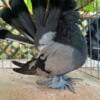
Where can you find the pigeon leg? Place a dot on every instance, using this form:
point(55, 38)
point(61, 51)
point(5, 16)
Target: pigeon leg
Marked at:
point(59, 82)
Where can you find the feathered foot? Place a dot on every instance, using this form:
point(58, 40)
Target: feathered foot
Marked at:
point(59, 82)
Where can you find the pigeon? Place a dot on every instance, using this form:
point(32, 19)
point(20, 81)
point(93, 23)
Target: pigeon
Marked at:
point(65, 52)
point(54, 30)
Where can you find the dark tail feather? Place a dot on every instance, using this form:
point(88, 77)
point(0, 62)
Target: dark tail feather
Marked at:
point(5, 34)
point(39, 3)
point(11, 19)
point(38, 17)
point(19, 8)
point(52, 19)
point(7, 15)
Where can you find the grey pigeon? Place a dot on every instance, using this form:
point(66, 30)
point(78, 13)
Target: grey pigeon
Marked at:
point(55, 32)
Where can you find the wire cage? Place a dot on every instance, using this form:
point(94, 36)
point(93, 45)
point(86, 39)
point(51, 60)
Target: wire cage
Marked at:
point(92, 65)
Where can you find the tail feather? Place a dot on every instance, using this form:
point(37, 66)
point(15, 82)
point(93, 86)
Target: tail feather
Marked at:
point(39, 3)
point(7, 15)
point(19, 17)
point(38, 16)
point(5, 34)
point(45, 22)
point(19, 8)
point(52, 19)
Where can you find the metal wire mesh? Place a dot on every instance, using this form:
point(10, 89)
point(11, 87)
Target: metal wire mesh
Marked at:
point(92, 66)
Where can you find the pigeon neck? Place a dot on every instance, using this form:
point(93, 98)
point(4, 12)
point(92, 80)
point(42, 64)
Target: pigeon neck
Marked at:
point(46, 40)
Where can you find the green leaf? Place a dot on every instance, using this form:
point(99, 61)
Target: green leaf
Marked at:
point(29, 5)
point(90, 7)
point(93, 6)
